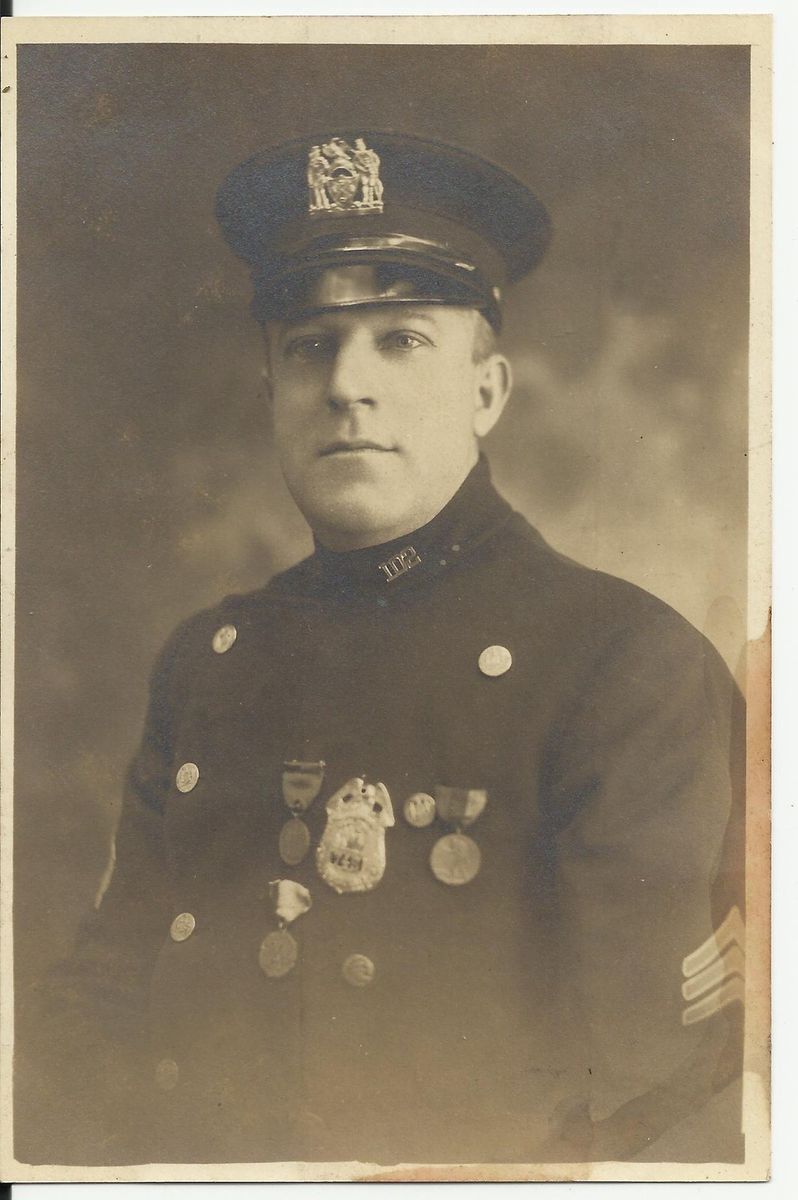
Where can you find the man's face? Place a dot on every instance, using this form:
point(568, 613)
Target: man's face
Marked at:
point(376, 415)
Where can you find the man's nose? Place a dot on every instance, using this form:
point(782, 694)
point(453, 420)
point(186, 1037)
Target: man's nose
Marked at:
point(352, 377)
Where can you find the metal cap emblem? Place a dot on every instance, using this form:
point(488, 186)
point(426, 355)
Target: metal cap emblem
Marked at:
point(344, 178)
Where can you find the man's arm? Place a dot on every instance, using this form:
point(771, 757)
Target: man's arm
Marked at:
point(78, 1057)
point(646, 780)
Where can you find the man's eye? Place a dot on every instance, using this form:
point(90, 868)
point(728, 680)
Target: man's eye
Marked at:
point(308, 348)
point(404, 339)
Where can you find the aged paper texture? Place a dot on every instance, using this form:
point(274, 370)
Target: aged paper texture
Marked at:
point(141, 484)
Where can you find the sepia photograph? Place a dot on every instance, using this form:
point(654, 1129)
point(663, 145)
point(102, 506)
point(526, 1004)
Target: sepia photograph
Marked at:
point(386, 778)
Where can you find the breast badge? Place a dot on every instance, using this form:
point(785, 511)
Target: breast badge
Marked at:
point(351, 854)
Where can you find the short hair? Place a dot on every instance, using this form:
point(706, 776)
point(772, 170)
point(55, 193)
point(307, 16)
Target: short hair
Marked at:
point(485, 339)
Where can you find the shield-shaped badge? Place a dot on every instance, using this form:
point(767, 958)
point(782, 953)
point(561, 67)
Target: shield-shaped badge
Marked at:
point(301, 784)
point(351, 854)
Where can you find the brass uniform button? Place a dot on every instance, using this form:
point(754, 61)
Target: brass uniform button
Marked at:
point(187, 777)
point(358, 970)
point(224, 638)
point(167, 1075)
point(182, 927)
point(495, 660)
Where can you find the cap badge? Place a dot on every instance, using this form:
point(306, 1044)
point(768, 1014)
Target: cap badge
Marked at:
point(344, 178)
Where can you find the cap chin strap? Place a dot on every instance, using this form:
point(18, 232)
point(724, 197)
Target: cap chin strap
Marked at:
point(385, 301)
point(334, 281)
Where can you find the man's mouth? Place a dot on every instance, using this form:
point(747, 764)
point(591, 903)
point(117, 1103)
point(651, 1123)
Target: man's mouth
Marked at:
point(356, 446)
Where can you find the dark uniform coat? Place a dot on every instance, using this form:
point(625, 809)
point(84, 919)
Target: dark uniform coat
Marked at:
point(574, 1000)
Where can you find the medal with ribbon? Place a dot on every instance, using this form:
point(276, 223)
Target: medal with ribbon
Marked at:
point(279, 951)
point(301, 785)
point(456, 858)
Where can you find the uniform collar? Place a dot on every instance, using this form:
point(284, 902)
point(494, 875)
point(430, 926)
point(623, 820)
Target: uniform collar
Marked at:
point(472, 514)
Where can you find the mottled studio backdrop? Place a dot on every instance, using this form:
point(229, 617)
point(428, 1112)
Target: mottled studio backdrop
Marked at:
point(147, 482)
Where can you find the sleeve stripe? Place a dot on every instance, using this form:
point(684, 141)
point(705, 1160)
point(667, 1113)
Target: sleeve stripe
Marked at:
point(730, 963)
point(731, 931)
point(728, 993)
point(107, 875)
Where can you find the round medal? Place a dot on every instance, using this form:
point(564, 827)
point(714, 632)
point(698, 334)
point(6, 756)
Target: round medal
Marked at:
point(455, 859)
point(278, 953)
point(294, 841)
point(419, 810)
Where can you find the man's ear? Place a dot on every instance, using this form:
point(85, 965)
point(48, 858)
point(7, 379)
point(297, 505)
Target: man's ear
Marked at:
point(266, 369)
point(268, 389)
point(493, 386)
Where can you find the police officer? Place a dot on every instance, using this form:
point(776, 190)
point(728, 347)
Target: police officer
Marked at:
point(432, 848)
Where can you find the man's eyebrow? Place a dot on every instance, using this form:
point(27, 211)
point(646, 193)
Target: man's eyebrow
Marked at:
point(326, 324)
point(307, 325)
point(406, 312)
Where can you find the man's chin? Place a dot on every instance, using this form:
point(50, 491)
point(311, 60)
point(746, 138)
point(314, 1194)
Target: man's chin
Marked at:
point(355, 517)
